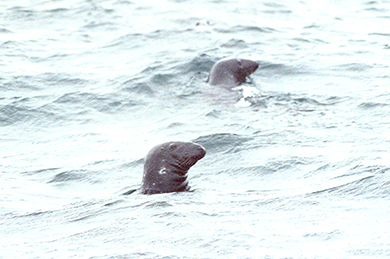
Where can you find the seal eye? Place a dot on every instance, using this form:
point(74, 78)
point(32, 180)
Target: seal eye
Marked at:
point(172, 147)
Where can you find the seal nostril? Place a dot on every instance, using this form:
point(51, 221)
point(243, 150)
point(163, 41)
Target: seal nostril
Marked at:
point(201, 151)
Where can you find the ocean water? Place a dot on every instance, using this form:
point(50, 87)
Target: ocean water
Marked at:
point(297, 168)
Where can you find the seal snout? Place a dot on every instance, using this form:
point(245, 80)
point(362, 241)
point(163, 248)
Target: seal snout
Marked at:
point(194, 153)
point(201, 151)
point(255, 66)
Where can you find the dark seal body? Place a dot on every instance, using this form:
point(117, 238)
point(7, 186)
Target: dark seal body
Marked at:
point(166, 167)
point(231, 72)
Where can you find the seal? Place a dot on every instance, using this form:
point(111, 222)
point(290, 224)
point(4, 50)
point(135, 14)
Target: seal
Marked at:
point(231, 72)
point(166, 167)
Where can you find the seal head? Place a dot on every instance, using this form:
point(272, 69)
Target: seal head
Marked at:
point(231, 72)
point(166, 167)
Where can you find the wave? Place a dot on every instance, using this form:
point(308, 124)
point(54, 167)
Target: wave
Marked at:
point(292, 101)
point(222, 142)
point(11, 114)
point(372, 105)
point(372, 182)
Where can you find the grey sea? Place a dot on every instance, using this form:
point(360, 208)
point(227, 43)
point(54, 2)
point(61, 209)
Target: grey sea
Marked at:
point(297, 167)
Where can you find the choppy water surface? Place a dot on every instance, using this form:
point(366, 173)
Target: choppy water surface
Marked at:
point(301, 170)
